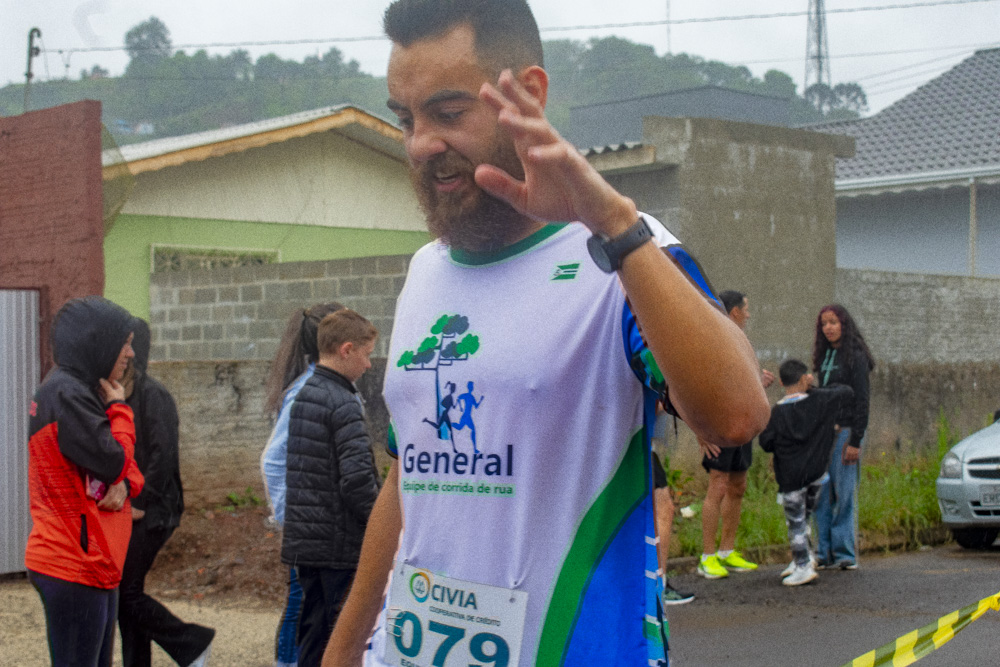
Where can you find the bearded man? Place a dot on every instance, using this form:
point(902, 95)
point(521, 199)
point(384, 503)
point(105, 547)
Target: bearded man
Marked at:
point(536, 544)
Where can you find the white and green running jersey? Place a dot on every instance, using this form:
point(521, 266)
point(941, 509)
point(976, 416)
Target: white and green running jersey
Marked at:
point(515, 384)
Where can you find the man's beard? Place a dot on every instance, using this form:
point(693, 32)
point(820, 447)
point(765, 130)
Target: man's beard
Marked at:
point(469, 218)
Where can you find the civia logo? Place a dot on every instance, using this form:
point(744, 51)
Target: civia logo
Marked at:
point(420, 586)
point(448, 344)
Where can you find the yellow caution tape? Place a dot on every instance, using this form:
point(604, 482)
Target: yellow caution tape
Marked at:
point(915, 645)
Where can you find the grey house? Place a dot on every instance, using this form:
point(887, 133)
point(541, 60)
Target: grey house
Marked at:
point(922, 193)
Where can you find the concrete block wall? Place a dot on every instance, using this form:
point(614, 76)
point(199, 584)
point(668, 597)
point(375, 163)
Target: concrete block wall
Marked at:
point(240, 313)
point(934, 338)
point(920, 318)
point(214, 336)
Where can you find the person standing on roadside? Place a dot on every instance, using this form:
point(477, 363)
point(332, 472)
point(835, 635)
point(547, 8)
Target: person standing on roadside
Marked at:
point(156, 513)
point(727, 479)
point(81, 475)
point(293, 364)
point(331, 478)
point(841, 356)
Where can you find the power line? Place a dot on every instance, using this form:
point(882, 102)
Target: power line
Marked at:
point(603, 26)
point(747, 17)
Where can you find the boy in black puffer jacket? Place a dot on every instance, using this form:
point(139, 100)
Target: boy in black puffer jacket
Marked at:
point(800, 435)
point(331, 478)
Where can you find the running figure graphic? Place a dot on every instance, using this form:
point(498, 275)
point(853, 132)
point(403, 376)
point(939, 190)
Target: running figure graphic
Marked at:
point(467, 403)
point(444, 417)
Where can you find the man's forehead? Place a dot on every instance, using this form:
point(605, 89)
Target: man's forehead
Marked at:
point(434, 61)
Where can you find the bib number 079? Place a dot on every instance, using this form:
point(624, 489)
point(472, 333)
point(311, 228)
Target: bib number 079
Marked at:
point(499, 654)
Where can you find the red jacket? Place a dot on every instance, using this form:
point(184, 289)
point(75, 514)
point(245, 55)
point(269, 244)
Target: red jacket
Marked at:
point(73, 435)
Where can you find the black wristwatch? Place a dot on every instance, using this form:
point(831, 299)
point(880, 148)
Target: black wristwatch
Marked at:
point(608, 253)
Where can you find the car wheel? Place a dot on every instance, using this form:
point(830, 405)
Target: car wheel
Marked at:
point(975, 538)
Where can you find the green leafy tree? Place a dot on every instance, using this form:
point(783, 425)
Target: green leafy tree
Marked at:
point(148, 41)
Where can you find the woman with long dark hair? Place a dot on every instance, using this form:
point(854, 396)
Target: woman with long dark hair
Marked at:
point(293, 364)
point(841, 356)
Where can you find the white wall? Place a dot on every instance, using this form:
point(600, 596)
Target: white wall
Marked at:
point(323, 179)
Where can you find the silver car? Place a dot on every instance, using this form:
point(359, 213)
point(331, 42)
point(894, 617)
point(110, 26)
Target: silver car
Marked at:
point(968, 489)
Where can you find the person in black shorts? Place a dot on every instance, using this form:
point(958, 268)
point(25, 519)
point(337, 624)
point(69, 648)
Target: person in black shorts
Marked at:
point(663, 508)
point(727, 470)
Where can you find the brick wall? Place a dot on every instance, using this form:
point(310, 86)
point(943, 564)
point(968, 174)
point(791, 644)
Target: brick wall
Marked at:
point(214, 335)
point(51, 210)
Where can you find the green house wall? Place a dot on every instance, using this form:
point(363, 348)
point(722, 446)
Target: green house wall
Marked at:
point(127, 247)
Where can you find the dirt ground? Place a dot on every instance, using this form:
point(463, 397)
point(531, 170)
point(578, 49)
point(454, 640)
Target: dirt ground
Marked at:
point(220, 568)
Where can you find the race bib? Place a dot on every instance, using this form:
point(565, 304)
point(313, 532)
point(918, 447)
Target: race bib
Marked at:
point(437, 621)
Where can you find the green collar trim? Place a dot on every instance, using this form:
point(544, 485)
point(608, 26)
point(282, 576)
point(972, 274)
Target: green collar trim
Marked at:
point(472, 258)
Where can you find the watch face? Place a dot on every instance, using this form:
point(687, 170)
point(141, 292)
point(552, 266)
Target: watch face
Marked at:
point(595, 245)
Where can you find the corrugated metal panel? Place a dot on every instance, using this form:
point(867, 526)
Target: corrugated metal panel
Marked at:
point(19, 374)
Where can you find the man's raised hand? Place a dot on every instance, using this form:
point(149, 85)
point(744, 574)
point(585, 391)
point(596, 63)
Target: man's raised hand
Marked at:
point(559, 184)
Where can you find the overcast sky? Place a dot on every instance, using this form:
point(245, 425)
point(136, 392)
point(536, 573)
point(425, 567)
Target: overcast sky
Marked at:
point(889, 52)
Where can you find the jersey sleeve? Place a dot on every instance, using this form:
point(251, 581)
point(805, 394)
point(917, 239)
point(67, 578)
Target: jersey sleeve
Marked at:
point(637, 353)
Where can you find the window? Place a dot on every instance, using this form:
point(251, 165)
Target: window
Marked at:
point(188, 258)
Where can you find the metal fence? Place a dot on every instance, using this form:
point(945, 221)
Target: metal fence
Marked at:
point(20, 368)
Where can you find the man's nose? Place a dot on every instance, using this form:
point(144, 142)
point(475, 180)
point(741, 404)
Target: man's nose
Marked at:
point(424, 142)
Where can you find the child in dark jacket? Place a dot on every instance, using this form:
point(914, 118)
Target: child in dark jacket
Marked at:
point(800, 434)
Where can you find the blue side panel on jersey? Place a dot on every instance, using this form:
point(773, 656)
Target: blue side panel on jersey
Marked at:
point(610, 627)
point(691, 267)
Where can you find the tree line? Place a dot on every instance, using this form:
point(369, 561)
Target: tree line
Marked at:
point(170, 92)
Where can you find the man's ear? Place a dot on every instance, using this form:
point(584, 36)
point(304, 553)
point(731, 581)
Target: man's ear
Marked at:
point(536, 81)
point(345, 349)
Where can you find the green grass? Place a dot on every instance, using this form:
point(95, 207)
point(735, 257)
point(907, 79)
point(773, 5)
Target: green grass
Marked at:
point(898, 502)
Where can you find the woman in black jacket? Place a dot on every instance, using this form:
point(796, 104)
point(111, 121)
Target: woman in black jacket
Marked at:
point(156, 512)
point(841, 356)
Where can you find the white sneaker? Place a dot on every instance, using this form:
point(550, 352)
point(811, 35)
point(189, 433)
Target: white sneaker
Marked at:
point(800, 575)
point(202, 660)
point(791, 566)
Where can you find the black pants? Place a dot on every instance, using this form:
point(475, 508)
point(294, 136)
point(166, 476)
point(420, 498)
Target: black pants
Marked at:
point(323, 593)
point(79, 621)
point(142, 620)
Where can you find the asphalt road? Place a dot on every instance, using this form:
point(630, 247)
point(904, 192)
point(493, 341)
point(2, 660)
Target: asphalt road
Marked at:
point(751, 619)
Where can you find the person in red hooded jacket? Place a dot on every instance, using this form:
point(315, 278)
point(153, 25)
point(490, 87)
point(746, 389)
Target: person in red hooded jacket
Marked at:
point(81, 475)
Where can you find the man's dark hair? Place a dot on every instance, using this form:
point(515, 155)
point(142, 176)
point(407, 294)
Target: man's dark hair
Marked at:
point(506, 35)
point(791, 371)
point(731, 299)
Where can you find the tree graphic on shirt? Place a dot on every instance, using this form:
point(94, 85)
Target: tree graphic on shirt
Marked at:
point(445, 346)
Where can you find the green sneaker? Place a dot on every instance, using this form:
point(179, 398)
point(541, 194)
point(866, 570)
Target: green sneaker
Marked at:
point(735, 561)
point(711, 568)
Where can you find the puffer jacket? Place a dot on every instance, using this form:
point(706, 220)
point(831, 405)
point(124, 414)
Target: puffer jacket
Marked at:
point(73, 435)
point(331, 476)
point(157, 441)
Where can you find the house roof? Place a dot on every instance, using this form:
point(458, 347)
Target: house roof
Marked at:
point(948, 130)
point(356, 124)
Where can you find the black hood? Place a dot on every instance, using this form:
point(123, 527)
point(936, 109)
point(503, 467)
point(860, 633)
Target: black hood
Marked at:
point(140, 345)
point(87, 336)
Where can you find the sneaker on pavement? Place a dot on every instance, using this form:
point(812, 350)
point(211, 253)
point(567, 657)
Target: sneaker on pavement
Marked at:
point(673, 596)
point(791, 567)
point(800, 575)
point(711, 568)
point(846, 565)
point(736, 562)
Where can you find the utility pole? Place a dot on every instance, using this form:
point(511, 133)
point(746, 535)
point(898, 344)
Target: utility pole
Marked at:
point(28, 76)
point(817, 49)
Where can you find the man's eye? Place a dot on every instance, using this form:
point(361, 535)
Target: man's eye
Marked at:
point(449, 116)
point(405, 122)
